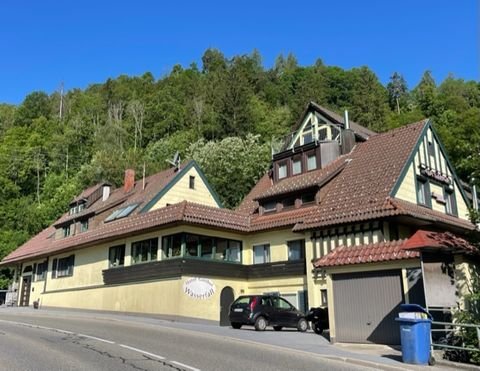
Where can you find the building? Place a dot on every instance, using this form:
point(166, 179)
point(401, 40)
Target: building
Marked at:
point(345, 218)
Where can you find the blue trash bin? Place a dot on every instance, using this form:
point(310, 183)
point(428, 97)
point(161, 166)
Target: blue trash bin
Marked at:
point(415, 324)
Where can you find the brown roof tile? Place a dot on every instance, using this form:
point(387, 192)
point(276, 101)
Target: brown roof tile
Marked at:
point(43, 244)
point(371, 253)
point(361, 191)
point(303, 181)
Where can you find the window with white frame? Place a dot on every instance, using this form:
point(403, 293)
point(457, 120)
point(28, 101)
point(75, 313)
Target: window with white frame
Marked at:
point(296, 166)
point(144, 251)
point(282, 170)
point(261, 254)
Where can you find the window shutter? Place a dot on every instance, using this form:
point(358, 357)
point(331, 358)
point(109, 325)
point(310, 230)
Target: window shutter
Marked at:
point(54, 268)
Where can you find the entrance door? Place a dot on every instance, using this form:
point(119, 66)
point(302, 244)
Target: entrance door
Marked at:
point(25, 295)
point(226, 298)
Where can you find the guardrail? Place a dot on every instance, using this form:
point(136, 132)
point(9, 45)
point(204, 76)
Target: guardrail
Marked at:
point(453, 329)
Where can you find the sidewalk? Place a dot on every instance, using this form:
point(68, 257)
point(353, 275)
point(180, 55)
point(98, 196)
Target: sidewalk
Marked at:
point(373, 356)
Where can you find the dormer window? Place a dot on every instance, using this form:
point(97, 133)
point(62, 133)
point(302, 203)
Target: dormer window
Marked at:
point(311, 162)
point(270, 206)
point(308, 197)
point(296, 166)
point(84, 225)
point(66, 231)
point(282, 170)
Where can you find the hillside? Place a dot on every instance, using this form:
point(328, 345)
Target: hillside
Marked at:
point(225, 114)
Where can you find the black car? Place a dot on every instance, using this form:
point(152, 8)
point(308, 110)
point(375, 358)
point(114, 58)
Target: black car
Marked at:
point(266, 310)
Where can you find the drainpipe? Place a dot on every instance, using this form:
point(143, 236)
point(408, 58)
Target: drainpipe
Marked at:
point(345, 120)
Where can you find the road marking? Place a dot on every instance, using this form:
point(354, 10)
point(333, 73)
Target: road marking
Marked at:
point(141, 351)
point(186, 366)
point(95, 338)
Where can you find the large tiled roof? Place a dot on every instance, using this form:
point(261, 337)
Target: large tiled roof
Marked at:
point(118, 198)
point(44, 243)
point(371, 253)
point(361, 191)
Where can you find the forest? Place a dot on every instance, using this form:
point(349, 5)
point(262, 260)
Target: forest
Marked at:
point(226, 114)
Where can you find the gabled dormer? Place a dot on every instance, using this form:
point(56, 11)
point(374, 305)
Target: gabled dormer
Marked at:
point(429, 179)
point(318, 139)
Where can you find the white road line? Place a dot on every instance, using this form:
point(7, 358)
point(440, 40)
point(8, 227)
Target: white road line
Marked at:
point(141, 351)
point(186, 366)
point(95, 338)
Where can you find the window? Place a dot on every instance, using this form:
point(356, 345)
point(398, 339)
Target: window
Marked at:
point(121, 213)
point(324, 297)
point(145, 251)
point(288, 202)
point(308, 197)
point(296, 166)
point(172, 246)
point(204, 247)
point(84, 225)
point(423, 192)
point(450, 202)
point(282, 171)
point(311, 162)
point(66, 231)
point(116, 256)
point(270, 206)
point(191, 182)
point(280, 303)
point(296, 250)
point(431, 149)
point(261, 254)
point(41, 272)
point(63, 267)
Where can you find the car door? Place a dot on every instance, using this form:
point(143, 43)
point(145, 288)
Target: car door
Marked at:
point(287, 314)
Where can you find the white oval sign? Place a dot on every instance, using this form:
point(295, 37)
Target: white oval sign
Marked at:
point(199, 288)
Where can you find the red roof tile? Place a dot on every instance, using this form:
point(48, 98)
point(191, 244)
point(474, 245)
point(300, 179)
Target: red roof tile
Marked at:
point(427, 240)
point(280, 219)
point(371, 253)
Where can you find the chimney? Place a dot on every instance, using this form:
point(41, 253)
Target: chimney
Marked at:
point(106, 192)
point(345, 120)
point(129, 182)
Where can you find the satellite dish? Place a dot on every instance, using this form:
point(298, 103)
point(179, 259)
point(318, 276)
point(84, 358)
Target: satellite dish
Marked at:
point(175, 162)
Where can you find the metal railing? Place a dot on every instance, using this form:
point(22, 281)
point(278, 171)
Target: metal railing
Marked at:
point(453, 330)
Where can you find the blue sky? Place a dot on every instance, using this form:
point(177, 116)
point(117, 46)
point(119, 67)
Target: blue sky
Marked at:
point(43, 43)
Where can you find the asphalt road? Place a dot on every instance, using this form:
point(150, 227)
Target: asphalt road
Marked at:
point(46, 342)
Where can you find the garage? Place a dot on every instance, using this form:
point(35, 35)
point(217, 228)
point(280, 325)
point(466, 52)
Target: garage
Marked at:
point(366, 305)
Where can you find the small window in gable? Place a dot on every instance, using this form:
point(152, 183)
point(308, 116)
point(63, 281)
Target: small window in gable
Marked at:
point(450, 202)
point(282, 170)
point(323, 134)
point(431, 149)
point(191, 183)
point(423, 192)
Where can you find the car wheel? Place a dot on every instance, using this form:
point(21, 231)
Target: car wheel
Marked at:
point(317, 328)
point(277, 328)
point(302, 325)
point(236, 325)
point(260, 324)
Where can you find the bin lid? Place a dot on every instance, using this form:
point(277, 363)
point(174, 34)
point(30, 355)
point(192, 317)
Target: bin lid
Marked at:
point(414, 308)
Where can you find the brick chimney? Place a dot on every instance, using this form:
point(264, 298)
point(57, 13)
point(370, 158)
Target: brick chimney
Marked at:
point(129, 182)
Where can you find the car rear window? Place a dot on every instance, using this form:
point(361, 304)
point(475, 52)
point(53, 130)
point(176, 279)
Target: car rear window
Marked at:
point(244, 300)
